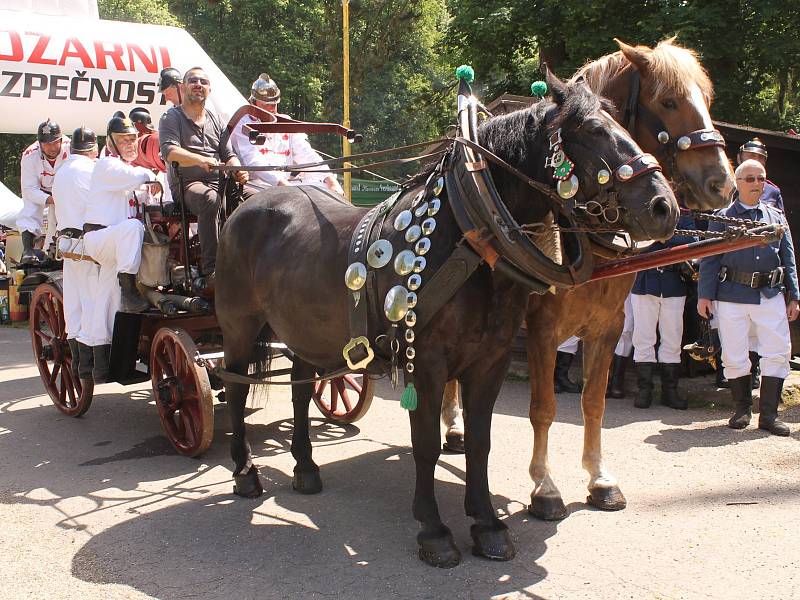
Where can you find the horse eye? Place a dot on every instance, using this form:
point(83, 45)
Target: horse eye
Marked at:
point(669, 104)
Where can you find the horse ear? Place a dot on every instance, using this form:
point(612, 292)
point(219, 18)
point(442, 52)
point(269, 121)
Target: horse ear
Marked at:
point(638, 58)
point(557, 88)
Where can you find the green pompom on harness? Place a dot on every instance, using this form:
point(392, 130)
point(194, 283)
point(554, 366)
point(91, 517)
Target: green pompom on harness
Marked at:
point(465, 73)
point(539, 89)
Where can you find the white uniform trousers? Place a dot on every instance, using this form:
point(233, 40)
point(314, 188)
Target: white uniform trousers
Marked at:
point(650, 312)
point(76, 285)
point(570, 346)
point(772, 332)
point(118, 249)
point(625, 343)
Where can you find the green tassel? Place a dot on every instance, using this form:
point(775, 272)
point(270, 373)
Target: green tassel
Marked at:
point(409, 398)
point(539, 89)
point(465, 72)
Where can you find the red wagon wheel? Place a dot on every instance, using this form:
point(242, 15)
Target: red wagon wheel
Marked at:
point(52, 354)
point(344, 399)
point(181, 391)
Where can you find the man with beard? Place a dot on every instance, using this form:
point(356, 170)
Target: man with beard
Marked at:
point(194, 137)
point(113, 238)
point(38, 166)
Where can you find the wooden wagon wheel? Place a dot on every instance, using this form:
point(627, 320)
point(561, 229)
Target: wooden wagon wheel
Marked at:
point(52, 354)
point(181, 391)
point(344, 399)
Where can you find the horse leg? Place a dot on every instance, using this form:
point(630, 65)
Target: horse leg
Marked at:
point(306, 478)
point(239, 343)
point(479, 392)
point(453, 419)
point(546, 502)
point(436, 545)
point(604, 493)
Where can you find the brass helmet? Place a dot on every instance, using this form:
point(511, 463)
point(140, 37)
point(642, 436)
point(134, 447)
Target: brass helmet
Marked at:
point(265, 90)
point(755, 146)
point(83, 140)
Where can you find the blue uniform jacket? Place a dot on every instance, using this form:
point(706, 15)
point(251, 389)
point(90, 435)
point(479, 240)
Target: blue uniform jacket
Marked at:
point(665, 282)
point(749, 260)
point(772, 196)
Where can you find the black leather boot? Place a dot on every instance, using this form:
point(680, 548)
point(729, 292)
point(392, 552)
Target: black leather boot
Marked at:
point(28, 255)
point(86, 362)
point(74, 357)
point(644, 377)
point(562, 382)
point(755, 370)
point(670, 374)
point(101, 367)
point(768, 420)
point(616, 382)
point(742, 395)
point(132, 300)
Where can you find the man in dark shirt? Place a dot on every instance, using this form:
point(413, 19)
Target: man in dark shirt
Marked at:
point(191, 134)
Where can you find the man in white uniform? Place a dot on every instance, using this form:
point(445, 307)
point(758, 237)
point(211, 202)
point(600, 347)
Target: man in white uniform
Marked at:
point(38, 166)
point(280, 149)
point(113, 237)
point(744, 288)
point(71, 194)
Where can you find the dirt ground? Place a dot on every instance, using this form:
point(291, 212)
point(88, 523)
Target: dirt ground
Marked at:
point(101, 507)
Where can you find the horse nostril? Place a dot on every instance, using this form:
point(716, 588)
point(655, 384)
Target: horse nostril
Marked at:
point(660, 207)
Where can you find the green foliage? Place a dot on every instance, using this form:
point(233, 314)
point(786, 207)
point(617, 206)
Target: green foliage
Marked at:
point(750, 47)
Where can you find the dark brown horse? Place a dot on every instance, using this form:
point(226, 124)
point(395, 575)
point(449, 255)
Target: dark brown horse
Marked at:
point(280, 269)
point(674, 95)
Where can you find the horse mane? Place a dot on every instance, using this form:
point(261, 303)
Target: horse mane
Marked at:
point(509, 135)
point(673, 70)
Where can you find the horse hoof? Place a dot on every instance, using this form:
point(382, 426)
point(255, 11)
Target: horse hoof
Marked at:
point(492, 542)
point(248, 485)
point(307, 482)
point(440, 552)
point(607, 498)
point(547, 508)
point(454, 442)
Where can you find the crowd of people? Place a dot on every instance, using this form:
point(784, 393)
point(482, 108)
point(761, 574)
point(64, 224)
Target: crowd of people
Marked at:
point(97, 197)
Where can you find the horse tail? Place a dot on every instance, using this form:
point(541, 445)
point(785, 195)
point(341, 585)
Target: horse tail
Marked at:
point(260, 362)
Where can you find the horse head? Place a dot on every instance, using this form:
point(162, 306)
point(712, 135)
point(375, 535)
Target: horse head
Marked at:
point(603, 171)
point(663, 96)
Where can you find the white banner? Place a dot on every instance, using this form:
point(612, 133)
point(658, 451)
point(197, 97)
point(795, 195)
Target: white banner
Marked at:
point(10, 206)
point(79, 71)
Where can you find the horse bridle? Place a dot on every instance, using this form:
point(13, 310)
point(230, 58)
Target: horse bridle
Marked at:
point(670, 146)
point(605, 204)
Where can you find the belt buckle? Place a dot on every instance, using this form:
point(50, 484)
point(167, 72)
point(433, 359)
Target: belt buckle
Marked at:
point(352, 345)
point(753, 278)
point(723, 274)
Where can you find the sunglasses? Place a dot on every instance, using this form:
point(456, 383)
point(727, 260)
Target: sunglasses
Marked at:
point(753, 179)
point(200, 80)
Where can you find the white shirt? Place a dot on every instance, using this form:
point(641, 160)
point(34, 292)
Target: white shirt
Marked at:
point(36, 172)
point(111, 199)
point(280, 149)
point(71, 190)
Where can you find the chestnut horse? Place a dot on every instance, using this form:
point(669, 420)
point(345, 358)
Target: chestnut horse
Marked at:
point(674, 96)
point(280, 267)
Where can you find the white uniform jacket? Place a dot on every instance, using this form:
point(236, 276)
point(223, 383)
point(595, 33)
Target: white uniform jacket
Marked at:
point(71, 190)
point(36, 180)
point(111, 196)
point(280, 149)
